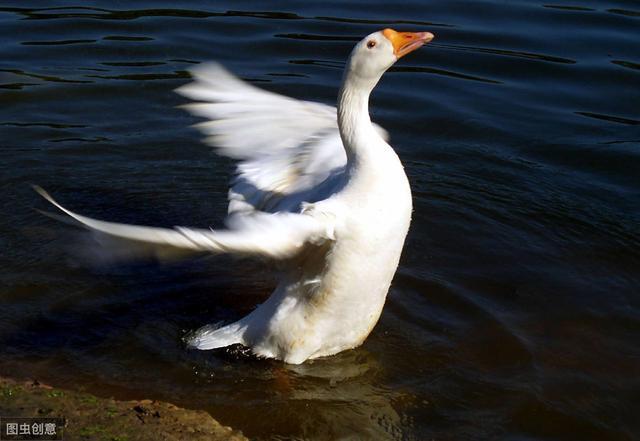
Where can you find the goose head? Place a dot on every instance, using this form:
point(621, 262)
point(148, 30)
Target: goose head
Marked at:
point(377, 52)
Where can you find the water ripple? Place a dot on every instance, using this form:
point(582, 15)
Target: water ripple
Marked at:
point(77, 139)
point(317, 37)
point(144, 77)
point(17, 86)
point(126, 38)
point(107, 14)
point(56, 42)
point(324, 63)
point(624, 12)
point(383, 22)
point(627, 64)
point(610, 118)
point(507, 53)
point(44, 124)
point(132, 63)
point(444, 72)
point(49, 78)
point(569, 8)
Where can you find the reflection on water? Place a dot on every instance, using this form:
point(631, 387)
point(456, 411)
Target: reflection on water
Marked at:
point(515, 310)
point(329, 398)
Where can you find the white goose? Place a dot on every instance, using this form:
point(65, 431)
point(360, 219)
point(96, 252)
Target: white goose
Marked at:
point(330, 201)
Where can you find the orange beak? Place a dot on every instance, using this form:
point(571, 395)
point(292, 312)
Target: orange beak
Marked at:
point(405, 42)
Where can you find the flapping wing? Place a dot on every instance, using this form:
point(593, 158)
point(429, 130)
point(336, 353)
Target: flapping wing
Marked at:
point(289, 151)
point(278, 236)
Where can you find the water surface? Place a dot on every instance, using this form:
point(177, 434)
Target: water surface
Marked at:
point(515, 312)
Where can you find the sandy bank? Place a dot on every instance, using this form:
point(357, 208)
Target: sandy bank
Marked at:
point(91, 418)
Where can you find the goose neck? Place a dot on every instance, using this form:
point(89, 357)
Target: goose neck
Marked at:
point(354, 122)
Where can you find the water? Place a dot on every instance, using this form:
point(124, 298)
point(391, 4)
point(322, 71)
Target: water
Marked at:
point(515, 312)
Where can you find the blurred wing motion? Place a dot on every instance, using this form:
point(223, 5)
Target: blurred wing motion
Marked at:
point(289, 151)
point(277, 236)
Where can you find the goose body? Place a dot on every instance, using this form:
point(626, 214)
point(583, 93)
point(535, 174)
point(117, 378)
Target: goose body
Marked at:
point(317, 189)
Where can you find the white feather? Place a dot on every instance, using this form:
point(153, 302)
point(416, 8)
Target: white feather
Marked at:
point(338, 227)
point(277, 236)
point(287, 148)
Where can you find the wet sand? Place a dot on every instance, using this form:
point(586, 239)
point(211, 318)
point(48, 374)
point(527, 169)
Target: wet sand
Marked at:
point(106, 419)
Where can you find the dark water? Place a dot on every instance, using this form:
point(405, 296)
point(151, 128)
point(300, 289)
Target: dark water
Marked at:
point(515, 312)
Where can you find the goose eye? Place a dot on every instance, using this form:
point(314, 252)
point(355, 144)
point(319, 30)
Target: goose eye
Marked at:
point(371, 44)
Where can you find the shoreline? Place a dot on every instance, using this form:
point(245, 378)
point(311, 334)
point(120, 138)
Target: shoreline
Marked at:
point(107, 419)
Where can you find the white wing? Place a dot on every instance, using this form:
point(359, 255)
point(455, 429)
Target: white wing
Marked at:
point(278, 236)
point(289, 151)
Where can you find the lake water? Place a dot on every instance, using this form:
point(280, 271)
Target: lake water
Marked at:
point(515, 312)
